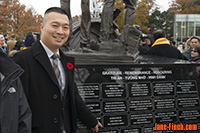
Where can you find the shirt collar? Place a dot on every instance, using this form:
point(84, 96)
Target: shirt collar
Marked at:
point(1, 76)
point(48, 51)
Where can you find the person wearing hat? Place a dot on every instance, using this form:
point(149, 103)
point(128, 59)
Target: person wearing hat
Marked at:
point(29, 40)
point(11, 43)
point(146, 42)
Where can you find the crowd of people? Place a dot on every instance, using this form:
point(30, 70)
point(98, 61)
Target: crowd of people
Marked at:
point(11, 45)
point(158, 45)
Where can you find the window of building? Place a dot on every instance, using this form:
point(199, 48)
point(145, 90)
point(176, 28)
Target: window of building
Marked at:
point(197, 28)
point(191, 29)
point(186, 25)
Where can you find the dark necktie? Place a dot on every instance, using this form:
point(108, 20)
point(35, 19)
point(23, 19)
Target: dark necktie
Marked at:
point(57, 71)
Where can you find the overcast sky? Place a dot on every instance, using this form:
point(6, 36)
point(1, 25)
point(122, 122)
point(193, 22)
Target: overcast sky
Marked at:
point(41, 5)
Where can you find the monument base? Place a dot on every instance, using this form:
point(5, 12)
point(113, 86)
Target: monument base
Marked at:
point(135, 98)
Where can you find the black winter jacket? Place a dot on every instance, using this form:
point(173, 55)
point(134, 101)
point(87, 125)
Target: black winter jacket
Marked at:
point(165, 50)
point(15, 114)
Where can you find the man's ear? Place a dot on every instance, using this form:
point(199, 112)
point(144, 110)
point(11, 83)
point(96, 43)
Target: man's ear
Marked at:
point(41, 27)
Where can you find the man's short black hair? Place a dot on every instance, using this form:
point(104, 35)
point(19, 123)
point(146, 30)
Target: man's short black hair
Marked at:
point(5, 35)
point(56, 9)
point(159, 34)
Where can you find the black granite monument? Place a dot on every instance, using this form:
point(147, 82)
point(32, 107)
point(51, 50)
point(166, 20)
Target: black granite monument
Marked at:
point(127, 97)
point(133, 98)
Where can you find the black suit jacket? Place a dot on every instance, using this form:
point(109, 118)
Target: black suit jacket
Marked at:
point(43, 94)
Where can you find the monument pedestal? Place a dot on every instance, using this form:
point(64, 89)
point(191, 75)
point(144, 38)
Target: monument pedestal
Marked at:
point(135, 98)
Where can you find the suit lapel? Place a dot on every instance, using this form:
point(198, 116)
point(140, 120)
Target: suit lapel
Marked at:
point(41, 56)
point(64, 63)
point(69, 72)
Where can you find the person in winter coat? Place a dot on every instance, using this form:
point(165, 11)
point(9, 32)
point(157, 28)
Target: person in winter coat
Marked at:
point(15, 114)
point(11, 43)
point(18, 47)
point(146, 41)
point(162, 47)
point(48, 81)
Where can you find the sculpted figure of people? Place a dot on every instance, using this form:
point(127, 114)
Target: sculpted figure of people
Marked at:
point(85, 21)
point(65, 4)
point(107, 17)
point(130, 9)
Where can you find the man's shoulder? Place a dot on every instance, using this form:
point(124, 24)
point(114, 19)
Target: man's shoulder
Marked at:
point(27, 51)
point(23, 55)
point(175, 48)
point(164, 46)
point(11, 41)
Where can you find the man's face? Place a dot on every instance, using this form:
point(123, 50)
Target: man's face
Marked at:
point(55, 30)
point(194, 42)
point(2, 41)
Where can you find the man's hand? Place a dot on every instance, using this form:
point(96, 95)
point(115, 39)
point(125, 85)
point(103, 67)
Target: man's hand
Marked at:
point(96, 128)
point(144, 35)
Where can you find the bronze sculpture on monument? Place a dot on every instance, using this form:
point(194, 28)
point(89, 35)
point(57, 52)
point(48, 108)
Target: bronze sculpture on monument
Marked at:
point(98, 39)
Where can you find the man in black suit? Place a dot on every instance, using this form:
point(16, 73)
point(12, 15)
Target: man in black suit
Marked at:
point(49, 82)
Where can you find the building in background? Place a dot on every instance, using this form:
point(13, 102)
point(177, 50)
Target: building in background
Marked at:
point(186, 25)
point(1, 1)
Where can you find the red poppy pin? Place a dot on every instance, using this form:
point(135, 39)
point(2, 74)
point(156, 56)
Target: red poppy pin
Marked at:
point(70, 66)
